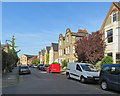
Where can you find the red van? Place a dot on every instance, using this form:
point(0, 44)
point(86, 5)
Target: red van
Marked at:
point(54, 68)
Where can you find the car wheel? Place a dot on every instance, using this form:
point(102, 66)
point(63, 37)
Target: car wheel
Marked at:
point(104, 85)
point(82, 79)
point(68, 76)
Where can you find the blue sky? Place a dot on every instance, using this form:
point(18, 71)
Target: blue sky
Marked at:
point(37, 24)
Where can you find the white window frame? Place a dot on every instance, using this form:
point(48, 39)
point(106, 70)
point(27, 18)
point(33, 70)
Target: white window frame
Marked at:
point(73, 49)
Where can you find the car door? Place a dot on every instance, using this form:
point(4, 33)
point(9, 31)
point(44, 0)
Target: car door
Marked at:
point(73, 71)
point(78, 71)
point(113, 77)
point(118, 70)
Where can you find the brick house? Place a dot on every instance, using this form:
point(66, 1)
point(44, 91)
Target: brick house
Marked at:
point(24, 59)
point(53, 54)
point(67, 45)
point(111, 31)
point(31, 59)
point(47, 50)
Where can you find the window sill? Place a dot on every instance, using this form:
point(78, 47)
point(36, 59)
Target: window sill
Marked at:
point(110, 43)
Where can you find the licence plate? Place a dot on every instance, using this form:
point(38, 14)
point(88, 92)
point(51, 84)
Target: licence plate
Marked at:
point(54, 69)
point(24, 70)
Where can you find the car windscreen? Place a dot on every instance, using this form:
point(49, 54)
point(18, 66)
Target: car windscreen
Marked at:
point(89, 68)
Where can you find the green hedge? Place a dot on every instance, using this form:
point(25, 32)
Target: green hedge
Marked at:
point(106, 60)
point(64, 64)
point(55, 63)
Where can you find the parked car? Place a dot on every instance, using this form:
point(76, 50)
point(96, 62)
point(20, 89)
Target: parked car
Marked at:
point(110, 77)
point(40, 66)
point(30, 65)
point(54, 68)
point(23, 69)
point(44, 67)
point(34, 66)
point(82, 71)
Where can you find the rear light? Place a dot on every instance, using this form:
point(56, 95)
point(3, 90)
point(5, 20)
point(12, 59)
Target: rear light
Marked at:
point(99, 74)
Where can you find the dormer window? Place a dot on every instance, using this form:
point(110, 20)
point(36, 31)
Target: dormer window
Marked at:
point(114, 16)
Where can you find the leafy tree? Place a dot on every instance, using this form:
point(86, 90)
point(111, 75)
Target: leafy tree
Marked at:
point(90, 48)
point(10, 58)
point(106, 60)
point(64, 64)
point(35, 61)
point(47, 58)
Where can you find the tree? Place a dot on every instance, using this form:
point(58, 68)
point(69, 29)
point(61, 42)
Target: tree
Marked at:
point(35, 61)
point(10, 58)
point(12, 45)
point(47, 58)
point(90, 48)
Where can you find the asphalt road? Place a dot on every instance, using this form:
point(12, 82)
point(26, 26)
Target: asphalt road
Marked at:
point(41, 82)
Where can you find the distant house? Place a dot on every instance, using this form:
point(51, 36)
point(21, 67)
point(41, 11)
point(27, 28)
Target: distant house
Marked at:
point(67, 44)
point(31, 59)
point(47, 50)
point(53, 54)
point(24, 59)
point(111, 31)
point(42, 54)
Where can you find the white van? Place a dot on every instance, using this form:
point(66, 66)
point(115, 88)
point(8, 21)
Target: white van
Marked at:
point(82, 71)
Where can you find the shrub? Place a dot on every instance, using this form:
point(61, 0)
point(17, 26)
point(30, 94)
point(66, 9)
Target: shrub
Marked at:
point(106, 60)
point(55, 63)
point(64, 64)
point(35, 61)
point(98, 65)
point(46, 64)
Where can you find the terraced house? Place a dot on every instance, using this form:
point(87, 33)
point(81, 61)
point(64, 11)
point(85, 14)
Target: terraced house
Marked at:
point(53, 54)
point(111, 30)
point(67, 44)
point(42, 54)
point(46, 60)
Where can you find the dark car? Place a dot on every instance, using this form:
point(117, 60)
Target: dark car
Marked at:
point(44, 67)
point(40, 66)
point(110, 77)
point(23, 69)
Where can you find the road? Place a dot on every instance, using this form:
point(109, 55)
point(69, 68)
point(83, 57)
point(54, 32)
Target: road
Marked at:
point(40, 82)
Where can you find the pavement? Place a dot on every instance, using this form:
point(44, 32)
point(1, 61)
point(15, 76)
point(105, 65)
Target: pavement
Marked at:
point(63, 72)
point(41, 82)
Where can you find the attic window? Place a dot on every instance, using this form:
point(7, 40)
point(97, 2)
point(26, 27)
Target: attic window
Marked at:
point(114, 15)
